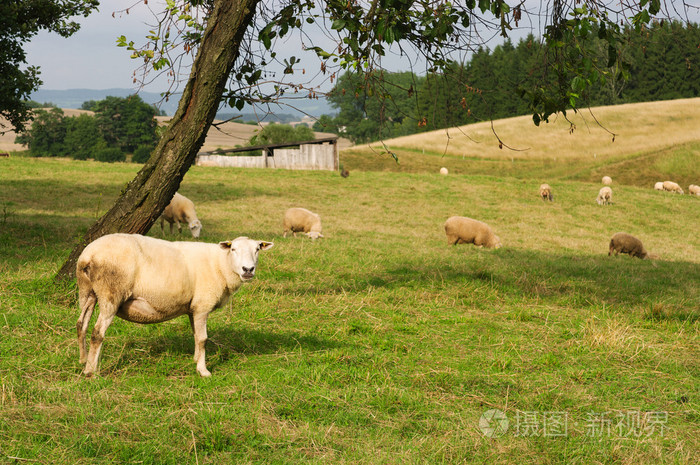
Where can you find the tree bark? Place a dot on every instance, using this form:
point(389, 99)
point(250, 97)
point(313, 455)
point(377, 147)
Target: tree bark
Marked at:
point(146, 196)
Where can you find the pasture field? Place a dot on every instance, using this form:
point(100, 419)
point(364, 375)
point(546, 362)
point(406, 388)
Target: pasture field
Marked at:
point(377, 344)
point(654, 141)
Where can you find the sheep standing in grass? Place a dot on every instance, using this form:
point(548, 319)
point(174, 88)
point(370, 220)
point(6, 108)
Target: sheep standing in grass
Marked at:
point(693, 189)
point(604, 196)
point(443, 171)
point(671, 186)
point(302, 220)
point(607, 180)
point(147, 280)
point(181, 209)
point(627, 243)
point(659, 186)
point(463, 230)
point(546, 192)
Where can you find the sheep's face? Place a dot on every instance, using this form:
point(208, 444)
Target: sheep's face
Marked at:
point(195, 228)
point(243, 255)
point(314, 234)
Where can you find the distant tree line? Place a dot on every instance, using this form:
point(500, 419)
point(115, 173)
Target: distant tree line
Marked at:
point(119, 126)
point(661, 63)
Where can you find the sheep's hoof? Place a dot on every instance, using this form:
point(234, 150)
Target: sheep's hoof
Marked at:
point(204, 373)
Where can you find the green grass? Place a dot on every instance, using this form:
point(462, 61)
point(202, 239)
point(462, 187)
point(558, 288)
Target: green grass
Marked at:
point(378, 344)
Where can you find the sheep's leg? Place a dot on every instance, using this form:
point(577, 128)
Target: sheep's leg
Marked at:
point(199, 325)
point(171, 228)
point(87, 304)
point(162, 229)
point(108, 311)
point(179, 228)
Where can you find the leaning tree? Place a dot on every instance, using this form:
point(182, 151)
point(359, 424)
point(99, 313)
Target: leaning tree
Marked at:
point(236, 44)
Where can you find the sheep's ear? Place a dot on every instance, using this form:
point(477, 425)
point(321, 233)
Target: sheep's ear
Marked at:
point(225, 245)
point(265, 245)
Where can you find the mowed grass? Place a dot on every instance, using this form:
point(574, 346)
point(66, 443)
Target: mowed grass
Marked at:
point(653, 141)
point(378, 344)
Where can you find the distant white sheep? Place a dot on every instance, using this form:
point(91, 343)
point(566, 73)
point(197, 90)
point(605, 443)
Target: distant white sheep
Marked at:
point(693, 189)
point(607, 180)
point(604, 196)
point(671, 186)
point(147, 280)
point(546, 192)
point(181, 209)
point(659, 186)
point(463, 230)
point(302, 220)
point(627, 243)
point(443, 171)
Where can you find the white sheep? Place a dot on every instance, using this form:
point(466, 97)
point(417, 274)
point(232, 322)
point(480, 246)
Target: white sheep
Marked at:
point(148, 280)
point(546, 192)
point(181, 209)
point(443, 171)
point(604, 196)
point(671, 186)
point(659, 186)
point(302, 220)
point(463, 230)
point(627, 243)
point(693, 189)
point(607, 180)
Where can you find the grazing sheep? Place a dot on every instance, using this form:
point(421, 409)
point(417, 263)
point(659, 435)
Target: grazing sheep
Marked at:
point(4, 155)
point(607, 180)
point(546, 192)
point(181, 209)
point(463, 230)
point(627, 243)
point(443, 171)
point(302, 220)
point(693, 189)
point(148, 280)
point(659, 186)
point(604, 196)
point(671, 186)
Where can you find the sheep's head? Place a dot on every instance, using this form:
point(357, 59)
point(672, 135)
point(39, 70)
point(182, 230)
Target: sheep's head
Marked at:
point(243, 255)
point(314, 234)
point(195, 228)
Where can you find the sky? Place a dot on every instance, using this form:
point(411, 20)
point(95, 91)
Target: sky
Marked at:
point(90, 59)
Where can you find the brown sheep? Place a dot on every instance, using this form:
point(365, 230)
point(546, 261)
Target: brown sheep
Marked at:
point(626, 243)
point(463, 230)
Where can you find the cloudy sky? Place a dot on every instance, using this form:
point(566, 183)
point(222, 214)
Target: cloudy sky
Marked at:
point(90, 58)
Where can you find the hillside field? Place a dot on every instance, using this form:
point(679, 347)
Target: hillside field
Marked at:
point(636, 144)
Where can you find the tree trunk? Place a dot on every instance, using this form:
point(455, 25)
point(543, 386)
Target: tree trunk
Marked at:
point(146, 196)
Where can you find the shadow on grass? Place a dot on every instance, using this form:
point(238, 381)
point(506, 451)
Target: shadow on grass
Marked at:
point(664, 289)
point(224, 344)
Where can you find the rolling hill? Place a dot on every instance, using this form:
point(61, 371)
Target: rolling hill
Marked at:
point(635, 144)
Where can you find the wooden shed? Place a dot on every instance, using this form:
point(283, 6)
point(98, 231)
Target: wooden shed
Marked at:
point(319, 154)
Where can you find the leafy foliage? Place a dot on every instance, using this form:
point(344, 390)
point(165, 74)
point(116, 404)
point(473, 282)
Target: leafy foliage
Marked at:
point(658, 64)
point(142, 154)
point(122, 123)
point(82, 137)
point(109, 155)
point(126, 122)
point(19, 22)
point(47, 134)
point(282, 133)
